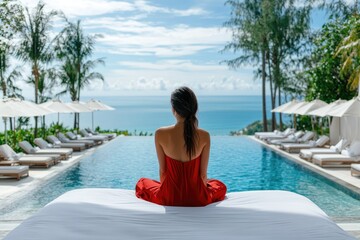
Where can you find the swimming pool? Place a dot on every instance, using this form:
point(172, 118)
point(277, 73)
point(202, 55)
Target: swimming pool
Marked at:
point(241, 163)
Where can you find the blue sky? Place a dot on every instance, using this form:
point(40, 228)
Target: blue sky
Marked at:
point(151, 47)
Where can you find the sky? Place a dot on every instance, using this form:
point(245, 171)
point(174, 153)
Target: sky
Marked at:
point(153, 46)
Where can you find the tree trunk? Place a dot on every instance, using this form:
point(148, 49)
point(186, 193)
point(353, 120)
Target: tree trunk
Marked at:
point(280, 114)
point(263, 76)
point(272, 96)
point(36, 78)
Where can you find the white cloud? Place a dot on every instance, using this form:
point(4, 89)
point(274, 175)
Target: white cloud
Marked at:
point(132, 37)
point(164, 76)
point(75, 8)
point(172, 64)
point(146, 7)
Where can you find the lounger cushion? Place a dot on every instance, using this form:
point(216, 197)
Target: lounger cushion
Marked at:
point(110, 214)
point(322, 141)
point(13, 169)
point(8, 153)
point(355, 167)
point(341, 144)
point(26, 146)
point(355, 149)
point(330, 157)
point(308, 153)
point(346, 152)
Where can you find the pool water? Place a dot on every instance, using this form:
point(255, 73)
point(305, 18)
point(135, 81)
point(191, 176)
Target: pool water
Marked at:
point(241, 163)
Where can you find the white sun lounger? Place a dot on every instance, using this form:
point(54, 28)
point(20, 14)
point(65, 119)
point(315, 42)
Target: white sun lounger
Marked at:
point(64, 139)
point(285, 133)
point(296, 147)
point(293, 138)
point(14, 171)
point(276, 136)
point(65, 153)
point(112, 214)
point(334, 160)
point(110, 136)
point(97, 140)
point(56, 143)
point(9, 155)
point(355, 169)
point(307, 154)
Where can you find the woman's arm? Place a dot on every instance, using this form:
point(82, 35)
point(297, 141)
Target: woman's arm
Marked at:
point(160, 154)
point(205, 158)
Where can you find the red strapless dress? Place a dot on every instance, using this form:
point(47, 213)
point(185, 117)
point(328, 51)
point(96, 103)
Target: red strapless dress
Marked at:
point(182, 186)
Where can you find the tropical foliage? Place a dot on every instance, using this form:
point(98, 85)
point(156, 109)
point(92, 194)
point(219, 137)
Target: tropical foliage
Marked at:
point(36, 44)
point(271, 35)
point(75, 49)
point(326, 80)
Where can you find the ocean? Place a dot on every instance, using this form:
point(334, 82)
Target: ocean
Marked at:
point(217, 114)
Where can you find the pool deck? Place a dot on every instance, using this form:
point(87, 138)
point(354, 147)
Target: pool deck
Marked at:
point(11, 189)
point(341, 176)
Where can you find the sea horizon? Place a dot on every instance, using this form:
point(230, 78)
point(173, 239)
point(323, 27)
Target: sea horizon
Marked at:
point(217, 114)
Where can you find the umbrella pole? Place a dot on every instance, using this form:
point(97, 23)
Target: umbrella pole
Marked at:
point(58, 117)
point(92, 120)
point(5, 121)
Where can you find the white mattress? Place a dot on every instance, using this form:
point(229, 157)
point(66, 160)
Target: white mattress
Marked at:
point(334, 157)
point(308, 153)
point(104, 214)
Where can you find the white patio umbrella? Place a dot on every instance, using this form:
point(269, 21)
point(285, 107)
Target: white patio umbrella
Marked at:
point(291, 108)
point(315, 104)
point(349, 108)
point(323, 111)
point(79, 107)
point(14, 107)
point(96, 105)
point(280, 108)
point(57, 106)
point(304, 110)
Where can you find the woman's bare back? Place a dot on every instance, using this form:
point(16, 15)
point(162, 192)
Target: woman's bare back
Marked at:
point(171, 140)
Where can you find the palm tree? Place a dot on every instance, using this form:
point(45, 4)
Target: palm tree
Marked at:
point(8, 77)
point(46, 84)
point(250, 36)
point(349, 49)
point(74, 49)
point(36, 45)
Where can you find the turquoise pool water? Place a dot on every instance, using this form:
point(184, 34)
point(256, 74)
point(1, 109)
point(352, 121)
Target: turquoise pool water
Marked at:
point(241, 163)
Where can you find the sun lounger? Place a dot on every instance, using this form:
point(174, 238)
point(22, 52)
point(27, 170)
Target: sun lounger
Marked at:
point(334, 160)
point(9, 155)
point(355, 169)
point(307, 154)
point(27, 148)
point(14, 171)
point(110, 136)
point(293, 138)
point(85, 134)
point(285, 133)
point(97, 140)
point(64, 139)
point(56, 143)
point(296, 147)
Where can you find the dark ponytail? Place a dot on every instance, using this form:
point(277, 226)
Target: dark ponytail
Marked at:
point(184, 102)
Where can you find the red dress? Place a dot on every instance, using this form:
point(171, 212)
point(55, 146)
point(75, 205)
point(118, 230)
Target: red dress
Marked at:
point(182, 186)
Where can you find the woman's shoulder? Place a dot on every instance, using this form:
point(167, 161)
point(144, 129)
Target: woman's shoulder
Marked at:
point(164, 129)
point(203, 133)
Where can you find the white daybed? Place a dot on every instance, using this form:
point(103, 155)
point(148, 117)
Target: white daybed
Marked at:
point(110, 214)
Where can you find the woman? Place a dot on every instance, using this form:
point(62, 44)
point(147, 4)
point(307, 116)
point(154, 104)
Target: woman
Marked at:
point(183, 153)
